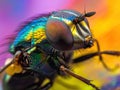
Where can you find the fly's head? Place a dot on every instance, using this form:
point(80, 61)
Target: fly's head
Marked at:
point(81, 31)
point(69, 30)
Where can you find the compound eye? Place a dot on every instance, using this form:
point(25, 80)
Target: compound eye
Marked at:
point(59, 34)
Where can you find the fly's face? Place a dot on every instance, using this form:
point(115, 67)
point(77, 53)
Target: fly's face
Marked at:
point(69, 30)
point(81, 33)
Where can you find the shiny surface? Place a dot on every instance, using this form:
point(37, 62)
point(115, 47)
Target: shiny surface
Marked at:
point(33, 32)
point(105, 27)
point(66, 31)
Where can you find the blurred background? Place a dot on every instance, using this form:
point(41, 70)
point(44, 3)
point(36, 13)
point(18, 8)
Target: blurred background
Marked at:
point(105, 26)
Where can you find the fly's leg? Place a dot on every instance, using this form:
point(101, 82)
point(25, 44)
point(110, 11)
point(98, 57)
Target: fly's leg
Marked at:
point(64, 69)
point(98, 53)
point(46, 86)
point(49, 84)
point(101, 58)
point(21, 57)
point(15, 60)
point(36, 85)
point(91, 55)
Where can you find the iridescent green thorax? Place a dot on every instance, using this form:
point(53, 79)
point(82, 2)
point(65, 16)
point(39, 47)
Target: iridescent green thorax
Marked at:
point(32, 33)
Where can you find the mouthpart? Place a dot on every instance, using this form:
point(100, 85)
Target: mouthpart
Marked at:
point(88, 42)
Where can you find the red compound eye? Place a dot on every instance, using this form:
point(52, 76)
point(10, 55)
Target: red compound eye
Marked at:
point(59, 34)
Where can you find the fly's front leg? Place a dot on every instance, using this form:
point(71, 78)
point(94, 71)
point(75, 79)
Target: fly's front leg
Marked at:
point(109, 53)
point(91, 55)
point(99, 53)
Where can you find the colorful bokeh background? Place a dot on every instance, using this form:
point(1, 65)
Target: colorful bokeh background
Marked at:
point(105, 26)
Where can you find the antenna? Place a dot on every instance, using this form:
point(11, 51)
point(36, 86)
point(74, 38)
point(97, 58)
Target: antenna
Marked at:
point(87, 14)
point(84, 8)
